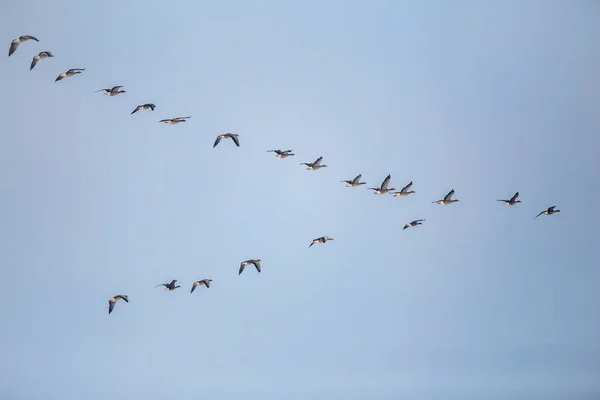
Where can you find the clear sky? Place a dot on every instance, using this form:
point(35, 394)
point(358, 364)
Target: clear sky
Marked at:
point(482, 301)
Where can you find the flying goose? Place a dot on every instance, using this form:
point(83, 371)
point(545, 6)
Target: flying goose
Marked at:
point(205, 282)
point(313, 166)
point(69, 73)
point(232, 136)
point(354, 182)
point(512, 201)
point(16, 42)
point(320, 240)
point(384, 186)
point(549, 211)
point(113, 300)
point(169, 286)
point(447, 199)
point(282, 153)
point(247, 262)
point(143, 107)
point(113, 91)
point(404, 191)
point(414, 223)
point(41, 56)
point(174, 121)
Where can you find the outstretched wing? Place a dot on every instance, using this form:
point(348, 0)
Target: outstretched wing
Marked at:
point(138, 108)
point(317, 161)
point(217, 141)
point(33, 63)
point(236, 140)
point(13, 48)
point(111, 306)
point(448, 197)
point(512, 199)
point(405, 188)
point(386, 182)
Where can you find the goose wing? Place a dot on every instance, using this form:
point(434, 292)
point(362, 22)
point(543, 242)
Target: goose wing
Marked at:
point(242, 266)
point(405, 188)
point(194, 286)
point(236, 139)
point(256, 264)
point(217, 141)
point(138, 108)
point(33, 62)
point(512, 199)
point(386, 182)
point(448, 197)
point(317, 162)
point(356, 179)
point(111, 306)
point(122, 297)
point(28, 37)
point(550, 209)
point(13, 48)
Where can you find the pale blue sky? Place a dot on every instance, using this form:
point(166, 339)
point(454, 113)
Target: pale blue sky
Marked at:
point(480, 302)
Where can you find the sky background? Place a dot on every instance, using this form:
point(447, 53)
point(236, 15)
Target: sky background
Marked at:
point(482, 301)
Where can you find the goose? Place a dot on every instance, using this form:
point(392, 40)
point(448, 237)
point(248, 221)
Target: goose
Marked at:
point(313, 166)
point(41, 56)
point(174, 121)
point(113, 300)
point(232, 136)
point(113, 91)
point(205, 282)
point(384, 186)
point(320, 240)
point(447, 199)
point(512, 201)
point(549, 211)
point(282, 153)
point(143, 107)
point(69, 73)
point(16, 42)
point(354, 182)
point(404, 191)
point(247, 262)
point(414, 223)
point(169, 286)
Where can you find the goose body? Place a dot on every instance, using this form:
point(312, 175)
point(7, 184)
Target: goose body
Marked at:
point(383, 189)
point(174, 121)
point(282, 153)
point(549, 211)
point(41, 56)
point(114, 91)
point(143, 107)
point(69, 73)
point(315, 165)
point(113, 300)
point(354, 182)
point(413, 223)
point(169, 286)
point(16, 42)
point(447, 199)
point(512, 201)
point(404, 191)
point(255, 262)
point(320, 240)
point(232, 136)
point(205, 282)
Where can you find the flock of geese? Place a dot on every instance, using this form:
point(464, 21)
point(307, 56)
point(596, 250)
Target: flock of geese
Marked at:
point(310, 166)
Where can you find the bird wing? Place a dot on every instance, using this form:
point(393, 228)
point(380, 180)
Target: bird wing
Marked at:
point(59, 77)
point(32, 38)
point(33, 63)
point(539, 214)
point(122, 297)
point(111, 306)
point(236, 140)
point(418, 220)
point(317, 161)
point(173, 282)
point(449, 195)
point(136, 110)
point(206, 283)
point(550, 209)
point(115, 88)
point(257, 265)
point(13, 48)
point(194, 285)
point(162, 284)
point(217, 141)
point(152, 106)
point(356, 179)
point(512, 199)
point(405, 188)
point(386, 182)
point(242, 266)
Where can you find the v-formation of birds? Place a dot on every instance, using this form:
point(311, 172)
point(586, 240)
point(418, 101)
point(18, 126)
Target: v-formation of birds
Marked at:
point(310, 166)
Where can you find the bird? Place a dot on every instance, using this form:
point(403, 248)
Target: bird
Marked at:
point(256, 263)
point(549, 211)
point(384, 186)
point(113, 91)
point(447, 199)
point(512, 201)
point(174, 121)
point(282, 153)
point(232, 136)
point(354, 182)
point(169, 286)
point(320, 240)
point(41, 56)
point(113, 300)
point(16, 42)
point(205, 282)
point(404, 191)
point(69, 73)
point(143, 107)
point(414, 223)
point(313, 166)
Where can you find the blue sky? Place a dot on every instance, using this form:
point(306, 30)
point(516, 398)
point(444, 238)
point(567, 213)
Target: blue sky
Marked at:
point(482, 301)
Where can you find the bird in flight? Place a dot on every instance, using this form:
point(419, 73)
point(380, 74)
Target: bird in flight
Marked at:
point(41, 56)
point(320, 240)
point(512, 201)
point(404, 191)
point(383, 189)
point(69, 73)
point(282, 153)
point(447, 199)
point(143, 107)
point(413, 223)
point(115, 90)
point(113, 300)
point(169, 286)
point(232, 136)
point(255, 262)
point(354, 182)
point(205, 282)
point(174, 121)
point(315, 165)
point(549, 211)
point(16, 42)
